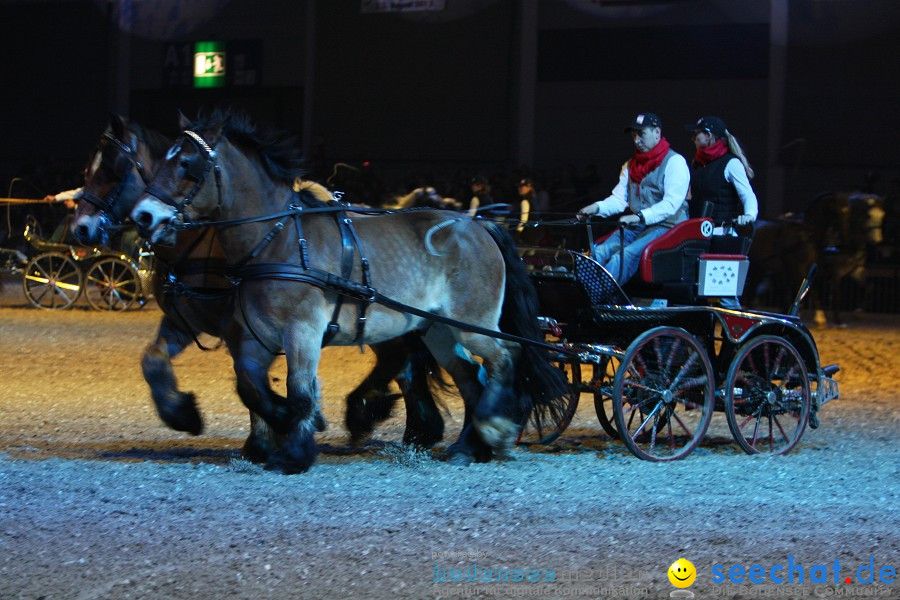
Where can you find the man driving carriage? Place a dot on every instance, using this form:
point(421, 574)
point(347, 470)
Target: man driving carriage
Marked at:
point(61, 235)
point(650, 195)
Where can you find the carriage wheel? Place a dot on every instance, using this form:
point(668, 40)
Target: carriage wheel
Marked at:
point(52, 280)
point(112, 284)
point(602, 384)
point(663, 394)
point(767, 397)
point(543, 427)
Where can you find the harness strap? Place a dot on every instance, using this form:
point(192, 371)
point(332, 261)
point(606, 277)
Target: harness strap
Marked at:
point(357, 291)
point(346, 269)
point(366, 279)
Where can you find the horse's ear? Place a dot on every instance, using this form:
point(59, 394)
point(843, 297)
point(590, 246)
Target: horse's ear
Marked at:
point(213, 132)
point(183, 121)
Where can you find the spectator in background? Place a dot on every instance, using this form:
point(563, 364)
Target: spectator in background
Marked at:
point(482, 202)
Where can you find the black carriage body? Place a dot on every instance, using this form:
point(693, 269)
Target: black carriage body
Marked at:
point(734, 352)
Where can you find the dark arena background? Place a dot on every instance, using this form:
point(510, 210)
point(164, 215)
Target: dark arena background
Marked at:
point(99, 499)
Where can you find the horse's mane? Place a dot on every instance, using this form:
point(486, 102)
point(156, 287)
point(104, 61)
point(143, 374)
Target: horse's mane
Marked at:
point(157, 143)
point(278, 151)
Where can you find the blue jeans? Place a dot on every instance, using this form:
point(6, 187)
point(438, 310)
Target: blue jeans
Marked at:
point(636, 239)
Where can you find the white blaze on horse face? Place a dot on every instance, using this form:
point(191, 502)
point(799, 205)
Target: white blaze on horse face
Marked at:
point(95, 164)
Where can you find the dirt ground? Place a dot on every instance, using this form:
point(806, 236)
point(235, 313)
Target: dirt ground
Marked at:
point(98, 499)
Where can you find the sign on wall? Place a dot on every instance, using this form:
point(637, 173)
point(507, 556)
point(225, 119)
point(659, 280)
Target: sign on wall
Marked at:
point(209, 64)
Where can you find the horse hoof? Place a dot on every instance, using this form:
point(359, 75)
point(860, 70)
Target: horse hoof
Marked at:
point(296, 455)
point(421, 441)
point(254, 451)
point(379, 406)
point(358, 438)
point(284, 468)
point(460, 459)
point(497, 432)
point(182, 415)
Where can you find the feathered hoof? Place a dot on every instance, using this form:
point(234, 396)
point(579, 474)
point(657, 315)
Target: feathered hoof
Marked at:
point(360, 428)
point(297, 455)
point(460, 459)
point(497, 432)
point(380, 406)
point(182, 414)
point(255, 450)
point(286, 468)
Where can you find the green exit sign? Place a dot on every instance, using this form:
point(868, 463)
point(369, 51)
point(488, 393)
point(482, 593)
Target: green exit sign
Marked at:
point(209, 64)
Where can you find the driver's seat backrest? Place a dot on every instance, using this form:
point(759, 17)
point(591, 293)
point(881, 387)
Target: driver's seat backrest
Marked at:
point(673, 256)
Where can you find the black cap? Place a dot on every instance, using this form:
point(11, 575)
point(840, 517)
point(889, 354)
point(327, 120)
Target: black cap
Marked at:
point(644, 120)
point(526, 181)
point(713, 125)
point(480, 179)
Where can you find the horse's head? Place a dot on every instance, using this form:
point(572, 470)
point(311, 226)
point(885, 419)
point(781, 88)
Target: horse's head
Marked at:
point(177, 192)
point(216, 160)
point(119, 168)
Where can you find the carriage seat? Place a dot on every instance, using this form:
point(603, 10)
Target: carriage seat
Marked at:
point(672, 256)
point(677, 264)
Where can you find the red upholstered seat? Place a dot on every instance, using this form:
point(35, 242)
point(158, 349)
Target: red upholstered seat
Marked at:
point(681, 235)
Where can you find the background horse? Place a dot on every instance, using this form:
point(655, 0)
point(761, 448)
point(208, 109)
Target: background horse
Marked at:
point(422, 197)
point(300, 285)
point(837, 231)
point(125, 158)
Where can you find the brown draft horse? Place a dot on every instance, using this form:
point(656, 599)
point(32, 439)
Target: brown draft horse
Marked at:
point(288, 251)
point(125, 158)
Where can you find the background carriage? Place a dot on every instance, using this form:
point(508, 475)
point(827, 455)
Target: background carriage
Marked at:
point(57, 274)
point(658, 372)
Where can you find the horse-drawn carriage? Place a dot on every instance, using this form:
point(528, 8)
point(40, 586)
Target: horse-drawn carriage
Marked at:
point(658, 371)
point(58, 273)
point(303, 272)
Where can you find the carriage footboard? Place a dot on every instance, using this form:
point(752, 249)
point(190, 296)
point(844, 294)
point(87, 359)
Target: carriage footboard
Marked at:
point(827, 390)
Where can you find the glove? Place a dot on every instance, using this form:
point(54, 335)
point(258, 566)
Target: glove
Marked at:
point(744, 219)
point(629, 219)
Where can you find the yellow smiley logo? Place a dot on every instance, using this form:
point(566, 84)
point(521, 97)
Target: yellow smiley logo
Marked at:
point(682, 573)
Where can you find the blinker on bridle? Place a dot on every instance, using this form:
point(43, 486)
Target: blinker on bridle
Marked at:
point(195, 168)
point(106, 206)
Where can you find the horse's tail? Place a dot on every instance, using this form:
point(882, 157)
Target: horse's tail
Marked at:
point(539, 385)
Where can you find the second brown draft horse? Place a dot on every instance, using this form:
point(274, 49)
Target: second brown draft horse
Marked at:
point(309, 271)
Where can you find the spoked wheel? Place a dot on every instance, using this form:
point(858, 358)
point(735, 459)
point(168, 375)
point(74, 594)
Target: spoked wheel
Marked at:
point(663, 394)
point(112, 284)
point(543, 427)
point(767, 396)
point(602, 384)
point(52, 280)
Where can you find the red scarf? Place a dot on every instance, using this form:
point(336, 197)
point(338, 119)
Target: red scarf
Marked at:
point(708, 154)
point(643, 163)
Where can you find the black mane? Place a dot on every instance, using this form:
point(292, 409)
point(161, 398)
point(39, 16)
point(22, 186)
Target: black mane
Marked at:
point(157, 143)
point(279, 151)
